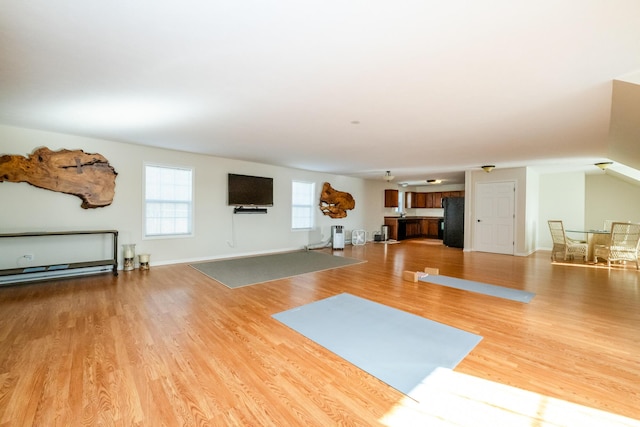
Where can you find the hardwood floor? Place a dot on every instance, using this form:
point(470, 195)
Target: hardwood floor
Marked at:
point(170, 346)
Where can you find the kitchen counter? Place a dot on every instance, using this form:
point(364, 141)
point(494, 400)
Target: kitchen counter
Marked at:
point(407, 227)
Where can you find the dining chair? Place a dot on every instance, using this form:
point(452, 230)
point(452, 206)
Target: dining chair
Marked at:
point(562, 244)
point(623, 244)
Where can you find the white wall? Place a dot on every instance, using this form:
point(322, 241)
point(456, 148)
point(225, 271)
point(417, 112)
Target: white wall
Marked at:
point(532, 218)
point(562, 196)
point(610, 198)
point(218, 232)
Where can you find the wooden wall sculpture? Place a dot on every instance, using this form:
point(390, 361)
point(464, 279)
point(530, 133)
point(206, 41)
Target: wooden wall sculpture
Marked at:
point(335, 203)
point(88, 176)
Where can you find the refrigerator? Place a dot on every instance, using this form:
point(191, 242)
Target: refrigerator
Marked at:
point(453, 233)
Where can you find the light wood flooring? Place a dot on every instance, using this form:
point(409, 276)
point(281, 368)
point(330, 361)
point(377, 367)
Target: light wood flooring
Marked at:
point(170, 347)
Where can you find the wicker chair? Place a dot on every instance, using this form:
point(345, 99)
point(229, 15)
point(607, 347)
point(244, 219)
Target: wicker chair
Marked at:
point(563, 244)
point(622, 245)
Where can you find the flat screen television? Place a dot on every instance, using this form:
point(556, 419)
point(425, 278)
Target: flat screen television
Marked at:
point(246, 190)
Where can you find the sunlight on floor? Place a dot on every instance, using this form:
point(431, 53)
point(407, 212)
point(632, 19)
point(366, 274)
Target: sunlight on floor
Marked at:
point(448, 398)
point(603, 265)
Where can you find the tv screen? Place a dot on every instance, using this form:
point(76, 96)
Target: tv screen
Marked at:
point(245, 190)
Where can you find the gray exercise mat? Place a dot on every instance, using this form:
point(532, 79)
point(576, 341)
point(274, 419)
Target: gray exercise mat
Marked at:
point(481, 288)
point(399, 348)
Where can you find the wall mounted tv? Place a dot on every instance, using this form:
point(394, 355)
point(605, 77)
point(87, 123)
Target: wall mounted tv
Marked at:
point(246, 190)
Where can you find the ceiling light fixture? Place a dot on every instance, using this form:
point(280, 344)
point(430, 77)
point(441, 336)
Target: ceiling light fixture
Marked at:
point(604, 165)
point(434, 181)
point(388, 177)
point(488, 168)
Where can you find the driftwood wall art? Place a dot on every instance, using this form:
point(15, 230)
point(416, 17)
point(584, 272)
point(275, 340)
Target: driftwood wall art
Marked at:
point(88, 176)
point(335, 203)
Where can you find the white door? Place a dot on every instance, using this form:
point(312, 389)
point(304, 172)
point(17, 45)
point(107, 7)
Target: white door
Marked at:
point(495, 216)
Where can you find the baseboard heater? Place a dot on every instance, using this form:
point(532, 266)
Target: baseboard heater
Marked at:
point(242, 210)
point(57, 271)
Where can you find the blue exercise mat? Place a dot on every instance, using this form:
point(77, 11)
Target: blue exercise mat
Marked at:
point(481, 288)
point(396, 347)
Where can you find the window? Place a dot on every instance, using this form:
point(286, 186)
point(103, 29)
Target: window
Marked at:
point(302, 195)
point(168, 201)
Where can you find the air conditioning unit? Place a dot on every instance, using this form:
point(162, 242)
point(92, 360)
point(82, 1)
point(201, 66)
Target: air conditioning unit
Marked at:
point(337, 236)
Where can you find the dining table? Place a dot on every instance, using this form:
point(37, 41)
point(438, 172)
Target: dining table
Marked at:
point(594, 237)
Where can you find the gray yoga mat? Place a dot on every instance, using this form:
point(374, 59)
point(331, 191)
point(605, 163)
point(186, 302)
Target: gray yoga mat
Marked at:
point(237, 272)
point(481, 288)
point(399, 348)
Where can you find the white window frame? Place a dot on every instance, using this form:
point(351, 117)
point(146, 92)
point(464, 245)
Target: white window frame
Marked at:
point(309, 204)
point(146, 201)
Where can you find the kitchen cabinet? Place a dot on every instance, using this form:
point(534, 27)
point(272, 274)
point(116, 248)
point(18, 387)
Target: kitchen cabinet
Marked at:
point(412, 227)
point(435, 198)
point(392, 223)
point(390, 198)
point(415, 199)
point(429, 228)
point(433, 228)
point(409, 199)
point(424, 227)
point(429, 200)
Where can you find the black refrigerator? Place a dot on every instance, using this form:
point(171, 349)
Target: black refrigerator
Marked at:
point(453, 234)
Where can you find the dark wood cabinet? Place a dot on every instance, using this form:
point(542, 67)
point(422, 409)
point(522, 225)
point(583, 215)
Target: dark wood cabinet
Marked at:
point(429, 228)
point(439, 195)
point(407, 228)
point(412, 228)
point(424, 227)
point(390, 198)
point(437, 199)
point(415, 199)
point(410, 199)
point(429, 202)
point(433, 228)
point(392, 223)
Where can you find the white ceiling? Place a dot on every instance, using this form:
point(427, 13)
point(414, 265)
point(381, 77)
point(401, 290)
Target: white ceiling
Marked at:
point(426, 89)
